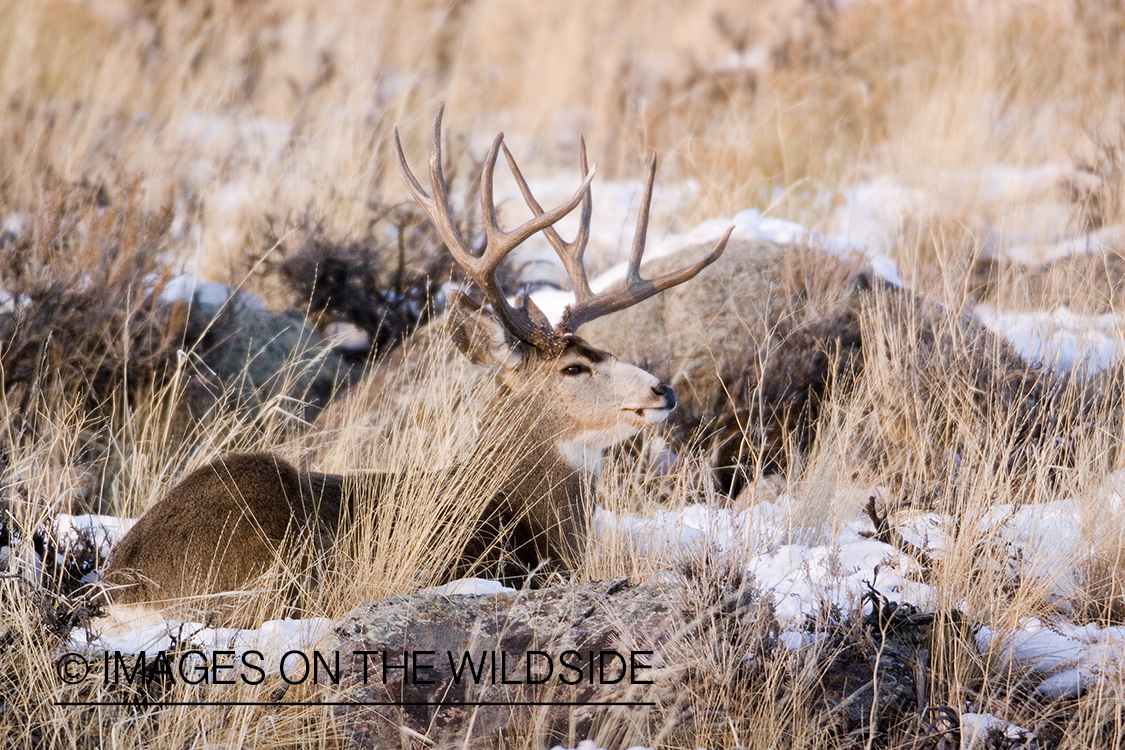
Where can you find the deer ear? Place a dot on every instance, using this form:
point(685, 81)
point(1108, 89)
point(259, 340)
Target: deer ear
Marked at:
point(480, 336)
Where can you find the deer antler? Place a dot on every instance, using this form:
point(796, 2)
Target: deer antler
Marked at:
point(498, 243)
point(587, 305)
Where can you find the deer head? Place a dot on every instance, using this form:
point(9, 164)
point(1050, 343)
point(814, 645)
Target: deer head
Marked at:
point(589, 398)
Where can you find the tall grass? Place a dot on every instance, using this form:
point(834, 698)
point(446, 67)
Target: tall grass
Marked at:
point(243, 118)
point(229, 107)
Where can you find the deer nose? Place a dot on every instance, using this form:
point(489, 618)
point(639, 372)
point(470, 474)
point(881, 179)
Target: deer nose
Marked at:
point(668, 394)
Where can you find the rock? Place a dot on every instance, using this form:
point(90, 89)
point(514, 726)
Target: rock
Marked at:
point(638, 630)
point(708, 641)
point(255, 355)
point(749, 345)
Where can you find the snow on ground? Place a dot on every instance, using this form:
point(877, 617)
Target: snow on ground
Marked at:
point(272, 640)
point(868, 217)
point(804, 574)
point(1091, 243)
point(186, 287)
point(1040, 545)
point(874, 213)
point(1060, 339)
point(469, 587)
point(1043, 543)
point(103, 531)
point(19, 557)
point(591, 745)
point(1064, 659)
point(809, 569)
point(986, 731)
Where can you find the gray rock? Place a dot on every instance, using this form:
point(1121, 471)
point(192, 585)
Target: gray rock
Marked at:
point(254, 355)
point(709, 640)
point(625, 625)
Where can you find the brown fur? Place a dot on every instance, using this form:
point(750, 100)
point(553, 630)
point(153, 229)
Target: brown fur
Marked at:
point(221, 527)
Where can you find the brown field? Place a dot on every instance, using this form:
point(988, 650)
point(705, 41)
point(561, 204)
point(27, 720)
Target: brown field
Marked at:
point(227, 136)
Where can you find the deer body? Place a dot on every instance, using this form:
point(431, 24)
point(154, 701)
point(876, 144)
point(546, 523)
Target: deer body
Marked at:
point(566, 403)
point(233, 515)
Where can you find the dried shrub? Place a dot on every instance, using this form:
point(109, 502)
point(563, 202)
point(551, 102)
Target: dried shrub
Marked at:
point(386, 281)
point(372, 282)
point(79, 314)
point(56, 583)
point(945, 407)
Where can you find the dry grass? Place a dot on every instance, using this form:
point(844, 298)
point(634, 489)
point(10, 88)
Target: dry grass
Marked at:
point(208, 125)
point(229, 106)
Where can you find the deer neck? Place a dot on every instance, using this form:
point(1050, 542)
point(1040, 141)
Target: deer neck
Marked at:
point(581, 455)
point(557, 459)
point(551, 482)
point(549, 443)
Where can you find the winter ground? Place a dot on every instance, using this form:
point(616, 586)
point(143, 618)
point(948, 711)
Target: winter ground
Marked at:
point(809, 570)
point(932, 137)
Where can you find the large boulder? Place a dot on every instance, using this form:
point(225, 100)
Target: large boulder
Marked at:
point(250, 356)
point(528, 634)
point(750, 345)
point(686, 656)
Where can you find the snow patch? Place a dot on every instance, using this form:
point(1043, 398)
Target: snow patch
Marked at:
point(1067, 658)
point(983, 730)
point(874, 213)
point(103, 531)
point(1091, 243)
point(10, 303)
point(1060, 340)
point(591, 745)
point(1042, 543)
point(470, 587)
point(188, 288)
point(273, 639)
point(803, 577)
point(347, 337)
point(11, 228)
point(809, 570)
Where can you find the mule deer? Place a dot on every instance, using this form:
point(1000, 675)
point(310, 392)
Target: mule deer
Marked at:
point(573, 401)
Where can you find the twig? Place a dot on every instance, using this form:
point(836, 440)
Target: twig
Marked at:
point(887, 534)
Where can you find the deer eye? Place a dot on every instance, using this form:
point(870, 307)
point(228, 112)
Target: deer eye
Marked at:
point(575, 369)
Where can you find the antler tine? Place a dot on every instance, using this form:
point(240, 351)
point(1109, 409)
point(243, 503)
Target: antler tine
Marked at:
point(640, 237)
point(498, 243)
point(542, 221)
point(571, 253)
point(416, 190)
point(637, 289)
point(437, 206)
